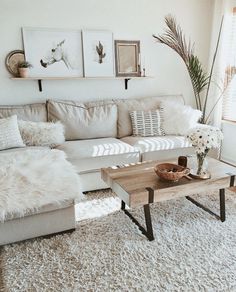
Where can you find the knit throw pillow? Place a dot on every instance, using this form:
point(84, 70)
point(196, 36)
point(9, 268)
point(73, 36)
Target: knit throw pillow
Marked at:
point(9, 133)
point(147, 123)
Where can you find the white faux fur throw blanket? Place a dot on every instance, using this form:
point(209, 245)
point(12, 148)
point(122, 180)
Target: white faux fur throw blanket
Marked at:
point(33, 178)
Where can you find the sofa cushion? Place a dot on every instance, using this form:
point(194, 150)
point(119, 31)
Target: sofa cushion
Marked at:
point(30, 112)
point(150, 146)
point(124, 126)
point(84, 121)
point(34, 179)
point(44, 209)
point(20, 150)
point(91, 155)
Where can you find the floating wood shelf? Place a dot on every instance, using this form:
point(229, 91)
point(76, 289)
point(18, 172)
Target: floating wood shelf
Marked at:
point(40, 79)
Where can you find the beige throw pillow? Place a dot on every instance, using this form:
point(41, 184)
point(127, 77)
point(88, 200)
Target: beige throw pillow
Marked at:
point(82, 121)
point(9, 133)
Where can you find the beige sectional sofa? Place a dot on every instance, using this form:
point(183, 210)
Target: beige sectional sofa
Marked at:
point(99, 134)
point(110, 141)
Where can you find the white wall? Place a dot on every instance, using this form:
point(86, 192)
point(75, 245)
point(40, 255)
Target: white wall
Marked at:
point(128, 19)
point(228, 152)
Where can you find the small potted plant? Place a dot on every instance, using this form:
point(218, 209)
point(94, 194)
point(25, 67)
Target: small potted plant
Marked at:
point(23, 68)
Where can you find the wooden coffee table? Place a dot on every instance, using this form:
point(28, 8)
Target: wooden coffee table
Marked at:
point(138, 185)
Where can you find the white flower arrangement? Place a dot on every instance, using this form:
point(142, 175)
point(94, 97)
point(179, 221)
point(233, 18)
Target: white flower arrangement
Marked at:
point(203, 138)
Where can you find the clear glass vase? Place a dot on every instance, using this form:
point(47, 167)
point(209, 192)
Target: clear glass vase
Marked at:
point(201, 164)
point(198, 165)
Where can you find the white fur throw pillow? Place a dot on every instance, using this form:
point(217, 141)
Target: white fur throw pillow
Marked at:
point(9, 133)
point(41, 133)
point(178, 119)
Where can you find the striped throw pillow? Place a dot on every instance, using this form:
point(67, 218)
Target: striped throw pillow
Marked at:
point(147, 123)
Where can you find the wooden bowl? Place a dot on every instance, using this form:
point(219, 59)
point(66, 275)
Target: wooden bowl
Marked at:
point(171, 172)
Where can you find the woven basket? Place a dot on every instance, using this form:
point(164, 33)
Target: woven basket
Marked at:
point(171, 172)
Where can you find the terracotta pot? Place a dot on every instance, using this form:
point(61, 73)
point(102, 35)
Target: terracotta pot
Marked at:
point(23, 72)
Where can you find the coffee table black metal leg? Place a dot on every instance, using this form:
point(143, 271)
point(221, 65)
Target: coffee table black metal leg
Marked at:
point(222, 216)
point(148, 221)
point(222, 205)
point(148, 232)
point(122, 205)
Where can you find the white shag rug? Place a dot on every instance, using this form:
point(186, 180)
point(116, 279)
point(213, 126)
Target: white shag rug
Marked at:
point(192, 251)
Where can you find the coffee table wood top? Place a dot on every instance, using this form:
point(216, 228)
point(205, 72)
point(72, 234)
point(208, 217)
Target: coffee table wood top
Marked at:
point(130, 182)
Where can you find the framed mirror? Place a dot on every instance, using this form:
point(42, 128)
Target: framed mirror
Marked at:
point(127, 56)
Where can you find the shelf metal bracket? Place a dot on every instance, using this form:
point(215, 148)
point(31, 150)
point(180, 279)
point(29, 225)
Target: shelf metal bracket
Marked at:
point(40, 85)
point(126, 83)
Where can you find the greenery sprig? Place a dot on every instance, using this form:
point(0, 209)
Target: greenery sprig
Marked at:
point(24, 64)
